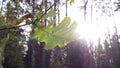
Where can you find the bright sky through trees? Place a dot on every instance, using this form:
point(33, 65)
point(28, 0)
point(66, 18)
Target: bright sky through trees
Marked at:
point(97, 24)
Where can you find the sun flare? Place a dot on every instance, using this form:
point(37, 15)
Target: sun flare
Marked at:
point(92, 26)
point(90, 31)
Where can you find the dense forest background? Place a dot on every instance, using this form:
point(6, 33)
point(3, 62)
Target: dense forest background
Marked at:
point(37, 34)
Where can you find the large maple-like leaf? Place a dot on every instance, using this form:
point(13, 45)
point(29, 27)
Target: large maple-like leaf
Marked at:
point(57, 36)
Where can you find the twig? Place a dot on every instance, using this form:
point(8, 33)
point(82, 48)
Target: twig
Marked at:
point(14, 27)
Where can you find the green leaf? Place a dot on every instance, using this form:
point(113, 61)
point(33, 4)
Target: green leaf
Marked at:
point(38, 33)
point(51, 13)
point(71, 29)
point(49, 41)
point(50, 26)
point(73, 25)
point(2, 21)
point(39, 15)
point(64, 24)
point(53, 41)
point(68, 34)
point(64, 32)
point(71, 2)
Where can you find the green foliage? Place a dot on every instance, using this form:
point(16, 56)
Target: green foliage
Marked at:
point(39, 15)
point(2, 21)
point(14, 55)
point(14, 51)
point(2, 46)
point(71, 1)
point(51, 13)
point(51, 35)
point(56, 36)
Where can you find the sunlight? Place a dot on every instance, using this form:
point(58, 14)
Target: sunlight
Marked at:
point(96, 25)
point(86, 30)
point(90, 31)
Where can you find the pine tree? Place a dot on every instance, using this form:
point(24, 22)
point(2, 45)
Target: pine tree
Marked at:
point(14, 51)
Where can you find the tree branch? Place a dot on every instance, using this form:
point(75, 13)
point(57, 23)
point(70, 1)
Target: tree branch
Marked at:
point(14, 27)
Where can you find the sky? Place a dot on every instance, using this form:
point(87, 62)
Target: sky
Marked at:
point(98, 26)
point(0, 3)
point(95, 27)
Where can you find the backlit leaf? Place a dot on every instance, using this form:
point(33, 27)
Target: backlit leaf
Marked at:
point(50, 25)
point(57, 36)
point(64, 24)
point(38, 16)
point(71, 2)
point(51, 13)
